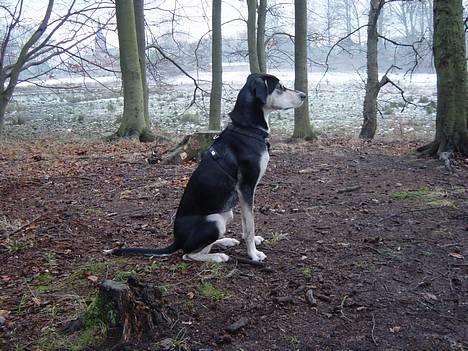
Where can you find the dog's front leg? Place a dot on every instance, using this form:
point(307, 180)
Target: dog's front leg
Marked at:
point(246, 199)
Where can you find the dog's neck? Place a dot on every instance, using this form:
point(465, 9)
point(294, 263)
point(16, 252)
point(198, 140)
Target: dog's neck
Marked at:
point(254, 132)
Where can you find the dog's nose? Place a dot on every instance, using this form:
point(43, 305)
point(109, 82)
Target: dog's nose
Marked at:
point(302, 95)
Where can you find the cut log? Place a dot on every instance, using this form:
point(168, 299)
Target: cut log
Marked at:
point(190, 148)
point(137, 307)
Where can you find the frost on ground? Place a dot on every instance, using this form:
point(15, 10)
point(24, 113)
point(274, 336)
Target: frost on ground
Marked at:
point(91, 108)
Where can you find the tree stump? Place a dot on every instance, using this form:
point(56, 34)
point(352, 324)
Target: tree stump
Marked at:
point(190, 148)
point(135, 308)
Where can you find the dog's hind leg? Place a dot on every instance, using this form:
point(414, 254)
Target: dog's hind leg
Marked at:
point(205, 256)
point(207, 234)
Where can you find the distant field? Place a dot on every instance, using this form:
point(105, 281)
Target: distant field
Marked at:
point(92, 108)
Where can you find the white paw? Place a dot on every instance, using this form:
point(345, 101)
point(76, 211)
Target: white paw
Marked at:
point(108, 252)
point(258, 239)
point(257, 255)
point(220, 257)
point(227, 242)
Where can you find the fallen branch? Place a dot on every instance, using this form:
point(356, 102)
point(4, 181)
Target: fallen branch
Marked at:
point(24, 226)
point(372, 331)
point(349, 190)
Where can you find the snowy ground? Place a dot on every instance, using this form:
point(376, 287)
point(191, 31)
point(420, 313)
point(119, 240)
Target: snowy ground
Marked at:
point(90, 108)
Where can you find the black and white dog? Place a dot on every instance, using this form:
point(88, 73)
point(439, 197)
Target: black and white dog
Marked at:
point(227, 174)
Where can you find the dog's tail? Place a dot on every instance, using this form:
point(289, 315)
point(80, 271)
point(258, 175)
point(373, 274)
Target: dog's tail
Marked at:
point(166, 251)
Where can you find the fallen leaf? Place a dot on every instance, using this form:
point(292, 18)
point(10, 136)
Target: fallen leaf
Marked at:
point(93, 278)
point(430, 296)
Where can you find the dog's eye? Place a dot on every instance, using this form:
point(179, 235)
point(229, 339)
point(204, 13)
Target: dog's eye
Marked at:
point(281, 87)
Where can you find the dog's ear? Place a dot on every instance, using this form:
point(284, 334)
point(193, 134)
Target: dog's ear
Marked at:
point(261, 89)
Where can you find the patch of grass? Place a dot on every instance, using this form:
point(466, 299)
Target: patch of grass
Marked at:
point(15, 246)
point(212, 271)
point(182, 266)
point(150, 268)
point(294, 342)
point(423, 100)
point(111, 106)
point(211, 292)
point(122, 276)
point(18, 120)
point(362, 265)
point(410, 194)
point(276, 237)
point(307, 272)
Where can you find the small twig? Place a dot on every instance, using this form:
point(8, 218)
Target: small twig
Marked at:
point(349, 190)
point(341, 308)
point(237, 259)
point(372, 331)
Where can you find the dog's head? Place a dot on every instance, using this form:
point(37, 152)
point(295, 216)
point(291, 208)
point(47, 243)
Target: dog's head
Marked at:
point(262, 94)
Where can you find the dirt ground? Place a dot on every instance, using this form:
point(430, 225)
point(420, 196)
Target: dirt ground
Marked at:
point(366, 248)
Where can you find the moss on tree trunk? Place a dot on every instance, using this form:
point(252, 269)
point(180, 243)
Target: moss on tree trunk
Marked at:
point(302, 125)
point(450, 63)
point(133, 123)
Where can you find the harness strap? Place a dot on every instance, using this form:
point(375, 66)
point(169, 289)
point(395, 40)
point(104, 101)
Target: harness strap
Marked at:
point(226, 167)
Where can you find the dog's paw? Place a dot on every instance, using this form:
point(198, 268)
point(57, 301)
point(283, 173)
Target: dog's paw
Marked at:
point(227, 242)
point(258, 239)
point(220, 257)
point(257, 255)
point(108, 252)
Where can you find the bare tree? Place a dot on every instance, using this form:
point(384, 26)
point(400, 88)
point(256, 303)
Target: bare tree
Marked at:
point(133, 123)
point(373, 85)
point(261, 22)
point(252, 36)
point(302, 126)
point(216, 67)
point(450, 63)
point(52, 37)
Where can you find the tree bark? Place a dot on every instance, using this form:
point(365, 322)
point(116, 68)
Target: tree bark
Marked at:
point(139, 8)
point(302, 126)
point(133, 122)
point(216, 68)
point(369, 125)
point(450, 63)
point(252, 37)
point(261, 21)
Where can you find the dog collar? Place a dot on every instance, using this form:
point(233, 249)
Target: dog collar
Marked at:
point(255, 133)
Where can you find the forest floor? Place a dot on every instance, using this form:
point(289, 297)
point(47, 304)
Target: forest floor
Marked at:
point(378, 236)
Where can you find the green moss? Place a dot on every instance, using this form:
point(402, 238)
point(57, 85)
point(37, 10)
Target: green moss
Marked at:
point(211, 292)
point(410, 194)
point(122, 276)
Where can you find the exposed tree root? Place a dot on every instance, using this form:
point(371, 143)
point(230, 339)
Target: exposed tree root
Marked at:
point(444, 151)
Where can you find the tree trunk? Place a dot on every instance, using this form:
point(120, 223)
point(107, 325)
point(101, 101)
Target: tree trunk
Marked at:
point(369, 125)
point(262, 9)
point(139, 8)
point(133, 122)
point(302, 126)
point(450, 63)
point(190, 148)
point(251, 36)
point(3, 105)
point(216, 68)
